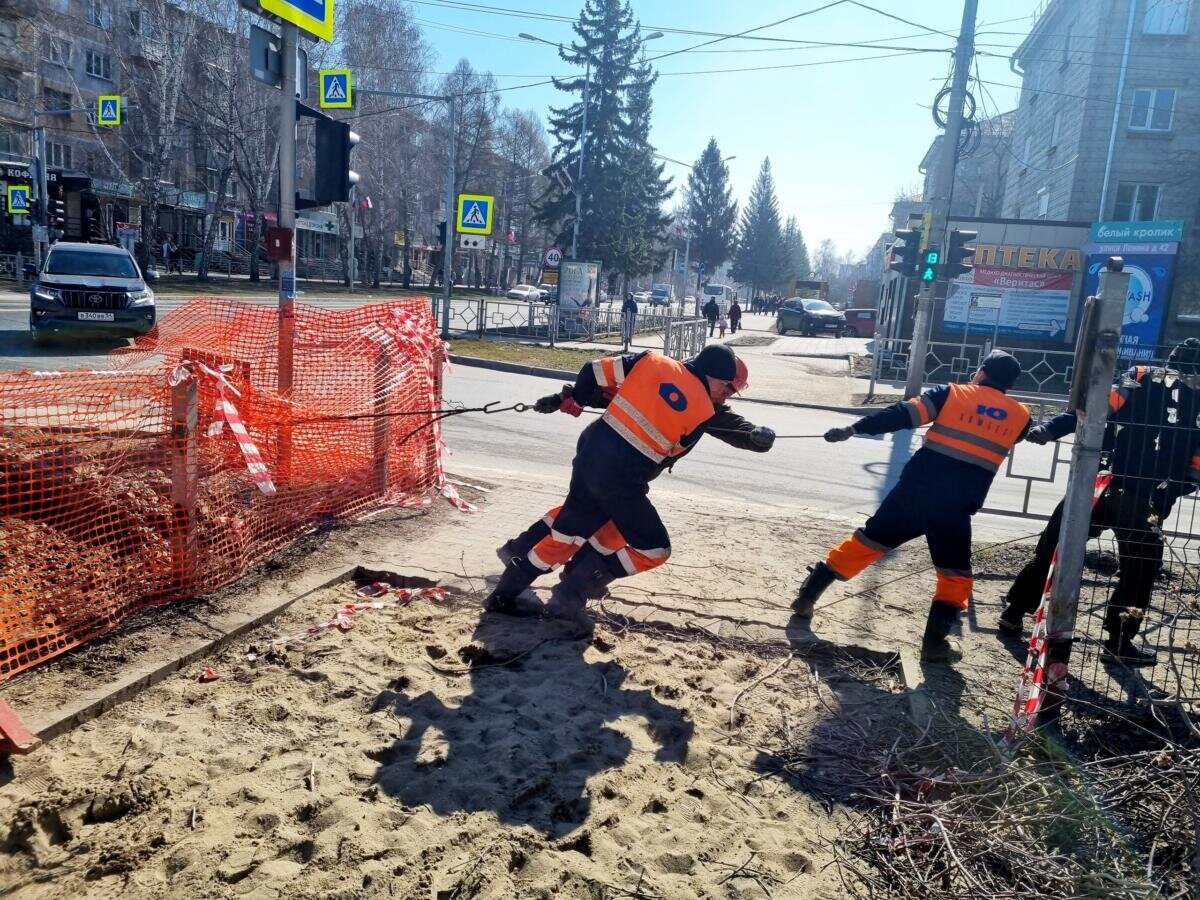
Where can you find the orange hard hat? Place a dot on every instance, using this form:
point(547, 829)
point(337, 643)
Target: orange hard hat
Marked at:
point(741, 380)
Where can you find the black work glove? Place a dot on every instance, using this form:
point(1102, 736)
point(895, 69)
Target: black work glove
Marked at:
point(551, 402)
point(763, 438)
point(837, 435)
point(1038, 434)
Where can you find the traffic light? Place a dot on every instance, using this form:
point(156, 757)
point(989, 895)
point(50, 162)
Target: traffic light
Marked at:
point(334, 176)
point(905, 254)
point(442, 233)
point(57, 210)
point(929, 263)
point(959, 255)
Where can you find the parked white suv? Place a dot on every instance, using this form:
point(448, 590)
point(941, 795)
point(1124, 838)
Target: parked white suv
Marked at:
point(90, 288)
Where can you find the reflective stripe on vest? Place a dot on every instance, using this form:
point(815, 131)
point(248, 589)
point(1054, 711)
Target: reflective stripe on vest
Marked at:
point(977, 425)
point(609, 372)
point(659, 402)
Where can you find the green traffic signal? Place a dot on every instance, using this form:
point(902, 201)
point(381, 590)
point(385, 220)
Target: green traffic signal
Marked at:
point(929, 267)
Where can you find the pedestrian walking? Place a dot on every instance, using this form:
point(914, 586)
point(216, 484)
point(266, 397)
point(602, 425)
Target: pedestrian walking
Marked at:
point(711, 311)
point(166, 255)
point(722, 324)
point(629, 311)
point(974, 426)
point(656, 410)
point(1153, 453)
point(735, 317)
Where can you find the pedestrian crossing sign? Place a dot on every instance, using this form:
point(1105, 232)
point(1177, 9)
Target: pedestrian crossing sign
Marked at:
point(337, 89)
point(475, 213)
point(313, 17)
point(18, 199)
point(108, 109)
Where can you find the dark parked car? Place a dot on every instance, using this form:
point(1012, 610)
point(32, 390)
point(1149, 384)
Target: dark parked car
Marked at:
point(810, 317)
point(88, 289)
point(861, 322)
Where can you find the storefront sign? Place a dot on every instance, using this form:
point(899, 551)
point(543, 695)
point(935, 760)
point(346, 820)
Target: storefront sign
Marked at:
point(1019, 303)
point(1169, 230)
point(1011, 256)
point(1151, 268)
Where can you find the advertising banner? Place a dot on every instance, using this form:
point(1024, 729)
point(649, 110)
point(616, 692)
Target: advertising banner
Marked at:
point(1024, 303)
point(579, 284)
point(1151, 269)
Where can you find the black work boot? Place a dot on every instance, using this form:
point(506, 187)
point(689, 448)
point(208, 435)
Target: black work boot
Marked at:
point(506, 596)
point(819, 578)
point(585, 579)
point(1122, 628)
point(935, 645)
point(1011, 622)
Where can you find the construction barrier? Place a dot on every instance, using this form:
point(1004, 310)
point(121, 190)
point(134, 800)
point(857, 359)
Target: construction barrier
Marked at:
point(168, 474)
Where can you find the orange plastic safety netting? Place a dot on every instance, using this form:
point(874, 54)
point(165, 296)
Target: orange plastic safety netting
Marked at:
point(168, 474)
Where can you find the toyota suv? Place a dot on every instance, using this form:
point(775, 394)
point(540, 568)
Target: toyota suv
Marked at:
point(90, 288)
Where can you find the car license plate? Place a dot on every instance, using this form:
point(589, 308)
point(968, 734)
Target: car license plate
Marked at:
point(97, 317)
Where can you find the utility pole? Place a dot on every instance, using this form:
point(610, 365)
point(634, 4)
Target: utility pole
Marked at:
point(943, 185)
point(287, 215)
point(1095, 360)
point(587, 83)
point(451, 215)
point(43, 190)
point(353, 212)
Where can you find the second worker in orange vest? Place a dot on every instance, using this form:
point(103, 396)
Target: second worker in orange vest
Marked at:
point(655, 410)
point(972, 428)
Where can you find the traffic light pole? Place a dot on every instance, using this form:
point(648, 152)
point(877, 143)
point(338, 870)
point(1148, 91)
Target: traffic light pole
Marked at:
point(287, 218)
point(939, 203)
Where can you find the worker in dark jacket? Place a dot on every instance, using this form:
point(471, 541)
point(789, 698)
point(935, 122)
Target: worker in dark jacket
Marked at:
point(1153, 451)
point(656, 410)
point(974, 426)
point(711, 312)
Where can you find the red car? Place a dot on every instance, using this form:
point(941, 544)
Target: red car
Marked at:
point(861, 322)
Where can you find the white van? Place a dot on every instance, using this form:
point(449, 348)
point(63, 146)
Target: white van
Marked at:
point(722, 293)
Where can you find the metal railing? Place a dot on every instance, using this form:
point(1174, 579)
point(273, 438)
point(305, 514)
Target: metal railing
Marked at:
point(12, 266)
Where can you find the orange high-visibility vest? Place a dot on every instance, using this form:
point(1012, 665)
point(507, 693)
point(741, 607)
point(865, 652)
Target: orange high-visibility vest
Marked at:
point(978, 425)
point(658, 403)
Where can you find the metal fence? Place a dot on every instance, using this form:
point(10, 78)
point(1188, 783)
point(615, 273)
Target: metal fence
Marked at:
point(12, 266)
point(526, 320)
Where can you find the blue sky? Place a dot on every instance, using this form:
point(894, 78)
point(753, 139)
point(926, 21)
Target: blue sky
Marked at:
point(843, 137)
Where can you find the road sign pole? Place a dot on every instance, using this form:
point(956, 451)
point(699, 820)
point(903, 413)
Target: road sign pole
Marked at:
point(40, 248)
point(287, 221)
point(940, 201)
point(587, 82)
point(353, 213)
point(448, 245)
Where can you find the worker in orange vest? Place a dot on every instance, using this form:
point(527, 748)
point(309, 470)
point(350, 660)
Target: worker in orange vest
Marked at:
point(974, 426)
point(655, 411)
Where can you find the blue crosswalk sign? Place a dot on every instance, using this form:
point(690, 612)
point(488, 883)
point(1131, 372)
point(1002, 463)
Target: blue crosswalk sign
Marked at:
point(108, 109)
point(475, 213)
point(18, 199)
point(337, 89)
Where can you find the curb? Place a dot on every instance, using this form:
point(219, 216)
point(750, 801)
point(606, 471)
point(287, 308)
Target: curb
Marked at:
point(561, 374)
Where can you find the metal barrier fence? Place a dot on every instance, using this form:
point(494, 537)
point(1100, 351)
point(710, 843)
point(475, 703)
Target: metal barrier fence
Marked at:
point(12, 266)
point(483, 317)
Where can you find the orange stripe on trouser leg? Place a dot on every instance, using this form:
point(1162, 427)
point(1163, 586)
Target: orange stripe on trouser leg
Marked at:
point(608, 539)
point(550, 552)
point(955, 589)
point(635, 561)
point(853, 555)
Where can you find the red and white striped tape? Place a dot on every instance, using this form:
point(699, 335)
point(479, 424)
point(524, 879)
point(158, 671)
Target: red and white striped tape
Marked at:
point(225, 413)
point(1037, 679)
point(343, 618)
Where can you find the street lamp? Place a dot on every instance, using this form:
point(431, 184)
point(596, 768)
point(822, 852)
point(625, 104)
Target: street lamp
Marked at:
point(587, 82)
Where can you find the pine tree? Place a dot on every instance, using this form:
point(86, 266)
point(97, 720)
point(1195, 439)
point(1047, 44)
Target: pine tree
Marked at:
point(759, 260)
point(795, 252)
point(712, 211)
point(622, 186)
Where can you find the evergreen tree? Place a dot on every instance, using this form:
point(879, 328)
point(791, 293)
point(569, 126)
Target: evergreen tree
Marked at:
point(712, 211)
point(622, 186)
point(795, 252)
point(759, 260)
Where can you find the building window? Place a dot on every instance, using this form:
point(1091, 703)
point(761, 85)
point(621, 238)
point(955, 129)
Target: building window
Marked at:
point(10, 87)
point(1136, 202)
point(1027, 151)
point(1153, 109)
point(1032, 81)
point(1055, 130)
point(58, 155)
point(52, 99)
point(135, 22)
point(1166, 17)
point(12, 142)
point(8, 31)
point(1043, 198)
point(1066, 48)
point(99, 13)
point(99, 65)
point(58, 51)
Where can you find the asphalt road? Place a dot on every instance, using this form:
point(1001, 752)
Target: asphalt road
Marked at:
point(848, 478)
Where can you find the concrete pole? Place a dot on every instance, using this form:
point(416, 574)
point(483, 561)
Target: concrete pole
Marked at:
point(448, 250)
point(40, 248)
point(943, 186)
point(587, 82)
point(353, 213)
point(1096, 356)
point(287, 209)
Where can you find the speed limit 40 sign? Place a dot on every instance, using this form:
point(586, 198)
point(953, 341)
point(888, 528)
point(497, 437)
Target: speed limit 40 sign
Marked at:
point(553, 257)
